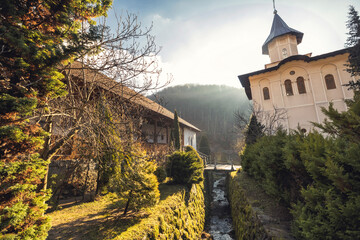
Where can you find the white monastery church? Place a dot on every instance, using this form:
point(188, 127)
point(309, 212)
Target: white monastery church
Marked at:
point(298, 84)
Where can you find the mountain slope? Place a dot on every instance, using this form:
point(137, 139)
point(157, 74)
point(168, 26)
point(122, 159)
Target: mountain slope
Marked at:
point(209, 107)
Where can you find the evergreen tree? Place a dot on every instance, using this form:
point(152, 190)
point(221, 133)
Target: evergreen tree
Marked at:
point(353, 42)
point(185, 167)
point(35, 38)
point(176, 132)
point(332, 202)
point(253, 131)
point(134, 179)
point(204, 146)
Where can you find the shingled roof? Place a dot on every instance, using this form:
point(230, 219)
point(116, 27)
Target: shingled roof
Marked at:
point(119, 89)
point(279, 28)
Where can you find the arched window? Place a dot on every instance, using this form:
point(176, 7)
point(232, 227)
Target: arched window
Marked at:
point(266, 93)
point(301, 85)
point(330, 81)
point(288, 88)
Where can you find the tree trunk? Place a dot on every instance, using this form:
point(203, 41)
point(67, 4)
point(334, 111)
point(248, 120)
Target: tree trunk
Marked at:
point(98, 182)
point(86, 181)
point(128, 202)
point(47, 141)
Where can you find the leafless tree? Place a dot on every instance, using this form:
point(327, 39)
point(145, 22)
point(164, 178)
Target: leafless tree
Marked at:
point(272, 120)
point(113, 73)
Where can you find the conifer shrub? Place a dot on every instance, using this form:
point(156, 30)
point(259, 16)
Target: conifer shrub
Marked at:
point(160, 173)
point(317, 176)
point(204, 145)
point(265, 161)
point(185, 167)
point(134, 179)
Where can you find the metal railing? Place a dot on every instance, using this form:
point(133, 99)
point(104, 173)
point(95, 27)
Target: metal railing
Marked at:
point(205, 158)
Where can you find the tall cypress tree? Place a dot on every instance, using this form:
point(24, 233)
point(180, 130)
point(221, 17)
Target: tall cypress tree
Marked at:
point(204, 146)
point(36, 37)
point(176, 132)
point(253, 131)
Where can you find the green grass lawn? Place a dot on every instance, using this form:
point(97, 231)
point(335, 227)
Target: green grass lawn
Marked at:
point(101, 219)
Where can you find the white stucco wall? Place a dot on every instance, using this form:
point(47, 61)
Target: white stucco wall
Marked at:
point(302, 109)
point(189, 137)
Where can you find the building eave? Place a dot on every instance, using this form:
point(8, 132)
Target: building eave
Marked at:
point(244, 79)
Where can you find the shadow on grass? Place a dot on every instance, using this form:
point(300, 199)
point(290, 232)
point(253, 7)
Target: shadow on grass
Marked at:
point(105, 224)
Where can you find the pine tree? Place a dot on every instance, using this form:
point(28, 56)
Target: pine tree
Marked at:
point(36, 37)
point(353, 42)
point(176, 132)
point(204, 146)
point(253, 131)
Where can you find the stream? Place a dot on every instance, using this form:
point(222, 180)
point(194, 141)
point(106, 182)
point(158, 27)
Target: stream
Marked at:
point(220, 219)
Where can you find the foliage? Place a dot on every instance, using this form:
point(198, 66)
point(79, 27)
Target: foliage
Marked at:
point(177, 217)
point(318, 176)
point(332, 200)
point(35, 38)
point(176, 134)
point(343, 124)
point(204, 146)
point(160, 174)
point(245, 222)
point(353, 42)
point(134, 179)
point(253, 130)
point(185, 167)
point(265, 161)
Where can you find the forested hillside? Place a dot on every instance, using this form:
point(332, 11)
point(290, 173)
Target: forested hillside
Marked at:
point(209, 107)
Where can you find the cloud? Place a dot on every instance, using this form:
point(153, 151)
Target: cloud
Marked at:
point(215, 44)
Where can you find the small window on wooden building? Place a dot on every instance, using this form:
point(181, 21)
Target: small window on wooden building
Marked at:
point(301, 85)
point(266, 93)
point(288, 88)
point(330, 81)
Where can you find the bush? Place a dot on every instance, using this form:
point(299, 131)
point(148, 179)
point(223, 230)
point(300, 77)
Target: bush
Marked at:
point(134, 179)
point(265, 161)
point(317, 176)
point(160, 173)
point(331, 203)
point(185, 167)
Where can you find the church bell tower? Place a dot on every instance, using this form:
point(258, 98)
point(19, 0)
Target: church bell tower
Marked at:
point(282, 41)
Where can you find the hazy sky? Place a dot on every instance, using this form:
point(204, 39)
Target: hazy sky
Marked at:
point(214, 41)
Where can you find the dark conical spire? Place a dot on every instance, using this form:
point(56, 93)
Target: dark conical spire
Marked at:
point(279, 28)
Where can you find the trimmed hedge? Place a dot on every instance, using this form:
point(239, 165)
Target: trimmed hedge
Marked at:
point(245, 222)
point(185, 167)
point(180, 216)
